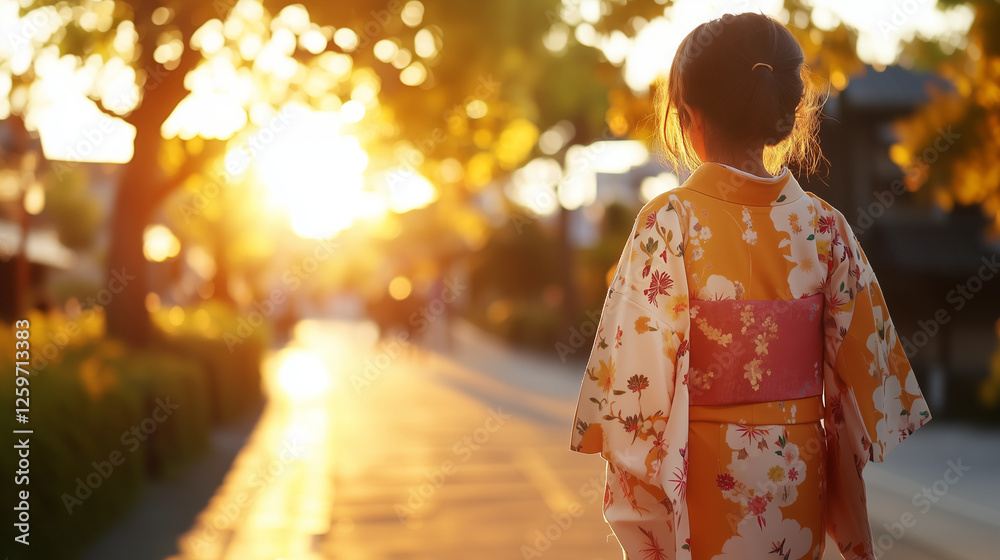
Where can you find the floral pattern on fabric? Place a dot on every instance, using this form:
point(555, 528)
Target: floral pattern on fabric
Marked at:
point(722, 236)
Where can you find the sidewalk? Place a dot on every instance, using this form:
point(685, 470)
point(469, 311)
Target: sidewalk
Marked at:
point(936, 453)
point(373, 450)
point(404, 454)
point(958, 466)
point(164, 511)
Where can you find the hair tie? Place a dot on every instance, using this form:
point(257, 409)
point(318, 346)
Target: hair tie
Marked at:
point(768, 66)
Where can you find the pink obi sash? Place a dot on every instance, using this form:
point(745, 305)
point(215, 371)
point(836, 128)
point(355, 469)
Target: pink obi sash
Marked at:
point(753, 351)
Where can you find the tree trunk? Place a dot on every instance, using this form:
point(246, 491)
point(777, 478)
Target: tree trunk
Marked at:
point(16, 281)
point(220, 282)
point(127, 317)
point(141, 190)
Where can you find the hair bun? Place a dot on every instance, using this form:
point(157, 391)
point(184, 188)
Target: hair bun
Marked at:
point(718, 69)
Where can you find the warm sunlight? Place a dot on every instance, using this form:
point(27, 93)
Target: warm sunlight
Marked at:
point(160, 244)
point(314, 173)
point(405, 190)
point(882, 27)
point(310, 279)
point(302, 375)
point(400, 288)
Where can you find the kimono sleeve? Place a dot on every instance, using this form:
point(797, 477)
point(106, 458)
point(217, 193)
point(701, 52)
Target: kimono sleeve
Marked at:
point(629, 385)
point(873, 401)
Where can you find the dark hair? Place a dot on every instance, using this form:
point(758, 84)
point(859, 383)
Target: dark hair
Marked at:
point(772, 104)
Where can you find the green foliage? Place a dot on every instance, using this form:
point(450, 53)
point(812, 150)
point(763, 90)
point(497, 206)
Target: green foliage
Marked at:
point(233, 379)
point(75, 210)
point(595, 264)
point(989, 389)
point(524, 303)
point(521, 241)
point(965, 121)
point(509, 278)
point(231, 369)
point(90, 409)
point(94, 400)
point(531, 325)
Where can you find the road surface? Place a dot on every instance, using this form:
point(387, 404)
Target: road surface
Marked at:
point(379, 450)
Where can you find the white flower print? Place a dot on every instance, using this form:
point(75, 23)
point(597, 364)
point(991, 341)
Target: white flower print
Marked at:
point(772, 537)
point(761, 469)
point(718, 287)
point(798, 249)
point(887, 401)
point(880, 345)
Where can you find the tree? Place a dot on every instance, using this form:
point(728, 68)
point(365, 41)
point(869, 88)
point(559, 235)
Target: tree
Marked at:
point(490, 53)
point(144, 183)
point(966, 171)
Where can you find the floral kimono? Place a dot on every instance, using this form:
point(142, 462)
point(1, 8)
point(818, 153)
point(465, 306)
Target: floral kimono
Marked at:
point(744, 372)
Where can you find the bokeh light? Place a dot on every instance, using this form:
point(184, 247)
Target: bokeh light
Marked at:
point(160, 244)
point(301, 375)
point(400, 288)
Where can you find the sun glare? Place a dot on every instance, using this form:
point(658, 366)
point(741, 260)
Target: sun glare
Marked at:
point(882, 28)
point(405, 190)
point(301, 374)
point(315, 174)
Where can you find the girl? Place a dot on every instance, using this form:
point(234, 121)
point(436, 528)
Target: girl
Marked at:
point(741, 314)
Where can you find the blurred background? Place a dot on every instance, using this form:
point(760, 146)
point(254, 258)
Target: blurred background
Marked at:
point(318, 280)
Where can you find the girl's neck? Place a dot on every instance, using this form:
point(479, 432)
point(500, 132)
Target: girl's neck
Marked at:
point(750, 160)
point(758, 178)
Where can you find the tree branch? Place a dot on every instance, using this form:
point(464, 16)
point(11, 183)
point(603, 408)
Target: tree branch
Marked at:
point(192, 164)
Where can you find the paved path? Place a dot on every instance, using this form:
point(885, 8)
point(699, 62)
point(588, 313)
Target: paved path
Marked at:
point(382, 451)
point(416, 458)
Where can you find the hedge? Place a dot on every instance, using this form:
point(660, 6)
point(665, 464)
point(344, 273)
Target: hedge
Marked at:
point(107, 419)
